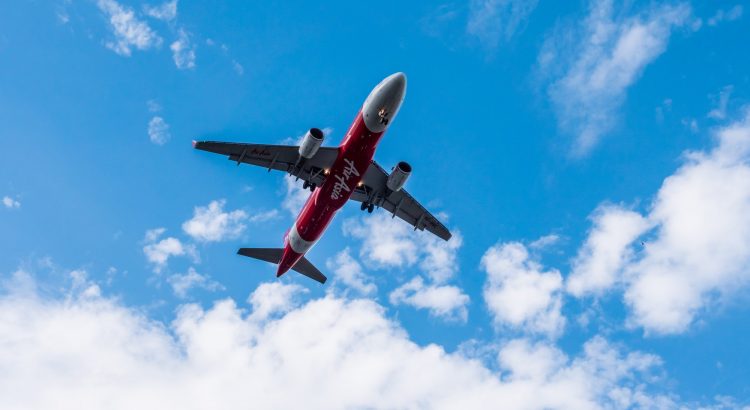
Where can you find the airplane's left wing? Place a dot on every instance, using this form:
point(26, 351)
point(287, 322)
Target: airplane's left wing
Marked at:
point(399, 203)
point(284, 158)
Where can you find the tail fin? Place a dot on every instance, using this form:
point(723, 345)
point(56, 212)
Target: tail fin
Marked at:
point(273, 255)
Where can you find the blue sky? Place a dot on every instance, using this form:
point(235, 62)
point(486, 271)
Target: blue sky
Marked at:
point(592, 157)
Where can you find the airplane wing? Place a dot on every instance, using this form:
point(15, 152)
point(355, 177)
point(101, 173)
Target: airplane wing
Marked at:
point(398, 203)
point(280, 157)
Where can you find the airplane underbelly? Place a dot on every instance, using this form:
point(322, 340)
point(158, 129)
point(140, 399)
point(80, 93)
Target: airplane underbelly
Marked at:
point(354, 158)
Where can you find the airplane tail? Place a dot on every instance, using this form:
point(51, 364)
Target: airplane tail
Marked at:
point(273, 255)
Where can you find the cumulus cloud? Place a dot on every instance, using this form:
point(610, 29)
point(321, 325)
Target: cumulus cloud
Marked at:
point(274, 298)
point(166, 11)
point(389, 243)
point(212, 224)
point(349, 272)
point(129, 31)
point(183, 51)
point(109, 355)
point(607, 250)
point(443, 301)
point(158, 130)
point(702, 246)
point(182, 283)
point(11, 203)
point(491, 21)
point(439, 258)
point(699, 252)
point(519, 293)
point(158, 251)
point(592, 64)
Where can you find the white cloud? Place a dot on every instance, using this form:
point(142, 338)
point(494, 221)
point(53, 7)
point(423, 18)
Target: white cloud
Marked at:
point(108, 355)
point(264, 216)
point(386, 242)
point(599, 263)
point(593, 64)
point(183, 51)
point(493, 20)
point(295, 196)
point(446, 302)
point(158, 253)
point(391, 243)
point(699, 253)
point(519, 293)
point(720, 112)
point(272, 299)
point(182, 283)
point(439, 258)
point(211, 224)
point(158, 131)
point(166, 11)
point(11, 203)
point(726, 15)
point(349, 272)
point(545, 241)
point(129, 31)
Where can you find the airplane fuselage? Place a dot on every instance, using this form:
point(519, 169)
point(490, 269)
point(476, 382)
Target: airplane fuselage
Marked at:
point(355, 154)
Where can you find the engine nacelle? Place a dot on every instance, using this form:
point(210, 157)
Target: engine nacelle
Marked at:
point(398, 177)
point(310, 144)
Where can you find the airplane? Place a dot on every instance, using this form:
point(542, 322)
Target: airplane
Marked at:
point(335, 175)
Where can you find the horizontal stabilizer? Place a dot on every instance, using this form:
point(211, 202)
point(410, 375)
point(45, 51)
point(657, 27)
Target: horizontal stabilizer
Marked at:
point(273, 255)
point(306, 268)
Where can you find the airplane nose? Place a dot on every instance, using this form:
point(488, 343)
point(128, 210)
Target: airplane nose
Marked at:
point(397, 82)
point(384, 101)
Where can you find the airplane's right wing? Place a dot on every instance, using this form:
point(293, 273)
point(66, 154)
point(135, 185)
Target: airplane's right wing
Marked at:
point(399, 203)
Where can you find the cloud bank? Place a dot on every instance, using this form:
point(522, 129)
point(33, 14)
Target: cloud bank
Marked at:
point(225, 356)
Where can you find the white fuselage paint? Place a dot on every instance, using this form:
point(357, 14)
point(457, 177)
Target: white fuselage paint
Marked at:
point(298, 244)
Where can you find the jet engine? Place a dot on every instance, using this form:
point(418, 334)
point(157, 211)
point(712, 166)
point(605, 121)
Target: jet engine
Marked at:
point(310, 144)
point(398, 176)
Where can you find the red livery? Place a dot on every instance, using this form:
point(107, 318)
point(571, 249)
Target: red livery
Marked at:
point(336, 175)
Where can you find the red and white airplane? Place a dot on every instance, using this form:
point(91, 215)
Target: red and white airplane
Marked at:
point(335, 175)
